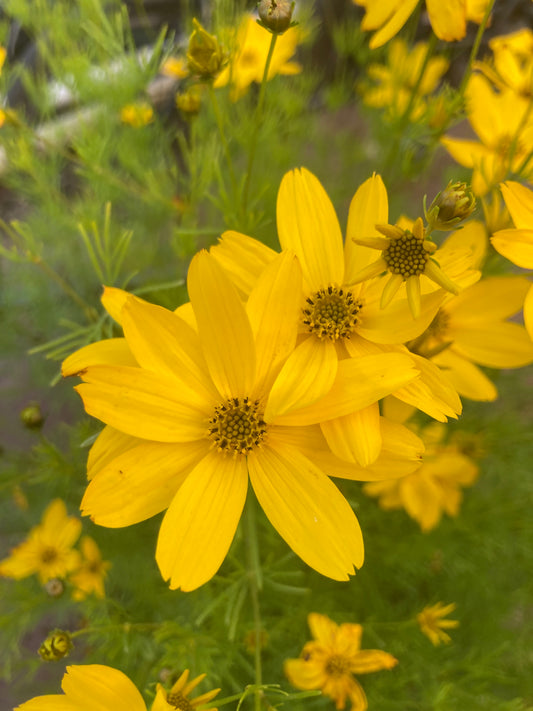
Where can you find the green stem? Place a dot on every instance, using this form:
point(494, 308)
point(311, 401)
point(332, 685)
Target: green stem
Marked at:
point(225, 145)
point(257, 123)
point(256, 583)
point(89, 311)
point(475, 48)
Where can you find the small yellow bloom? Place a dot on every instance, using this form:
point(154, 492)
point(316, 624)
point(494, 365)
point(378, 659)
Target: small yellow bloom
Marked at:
point(247, 62)
point(137, 115)
point(189, 102)
point(175, 67)
point(511, 66)
point(89, 577)
point(178, 697)
point(435, 487)
point(205, 56)
point(48, 550)
point(433, 625)
point(329, 662)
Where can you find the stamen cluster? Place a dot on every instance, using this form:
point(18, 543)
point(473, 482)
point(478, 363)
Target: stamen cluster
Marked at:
point(332, 313)
point(179, 701)
point(406, 255)
point(237, 426)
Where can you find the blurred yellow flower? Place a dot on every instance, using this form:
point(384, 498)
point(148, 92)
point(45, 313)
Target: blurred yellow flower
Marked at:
point(511, 66)
point(137, 115)
point(192, 414)
point(205, 55)
point(178, 696)
point(3, 54)
point(89, 577)
point(175, 67)
point(500, 120)
point(395, 82)
point(329, 662)
point(435, 487)
point(48, 550)
point(432, 624)
point(247, 62)
point(448, 18)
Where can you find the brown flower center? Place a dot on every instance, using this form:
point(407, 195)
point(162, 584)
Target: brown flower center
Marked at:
point(237, 426)
point(332, 313)
point(48, 554)
point(406, 255)
point(179, 701)
point(337, 665)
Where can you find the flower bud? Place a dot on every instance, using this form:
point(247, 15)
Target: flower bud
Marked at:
point(276, 15)
point(56, 646)
point(189, 103)
point(54, 587)
point(452, 205)
point(32, 417)
point(205, 56)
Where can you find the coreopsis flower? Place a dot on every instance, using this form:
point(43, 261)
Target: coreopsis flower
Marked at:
point(179, 695)
point(192, 414)
point(205, 55)
point(137, 115)
point(432, 623)
point(473, 329)
point(448, 18)
point(48, 550)
point(394, 83)
point(89, 577)
point(247, 62)
point(56, 646)
point(329, 662)
point(511, 66)
point(435, 487)
point(517, 244)
point(499, 118)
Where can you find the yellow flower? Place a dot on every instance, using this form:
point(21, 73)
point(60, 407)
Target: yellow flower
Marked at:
point(89, 687)
point(435, 487)
point(205, 56)
point(330, 661)
point(447, 17)
point(175, 67)
point(499, 118)
point(191, 414)
point(48, 550)
point(137, 115)
point(396, 81)
point(178, 696)
point(3, 54)
point(512, 63)
point(433, 625)
point(89, 577)
point(247, 62)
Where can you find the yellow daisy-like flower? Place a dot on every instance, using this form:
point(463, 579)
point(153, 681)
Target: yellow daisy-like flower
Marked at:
point(175, 67)
point(500, 120)
point(178, 697)
point(192, 414)
point(405, 255)
point(448, 18)
point(435, 487)
point(512, 62)
point(247, 63)
point(137, 115)
point(396, 81)
point(329, 662)
point(433, 625)
point(48, 551)
point(89, 577)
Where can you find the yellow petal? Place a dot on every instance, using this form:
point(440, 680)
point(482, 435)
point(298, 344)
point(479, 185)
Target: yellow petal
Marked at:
point(515, 245)
point(448, 19)
point(322, 628)
point(199, 526)
point(108, 445)
point(243, 258)
point(112, 351)
point(278, 291)
point(421, 498)
point(519, 201)
point(51, 702)
point(113, 300)
point(140, 482)
point(432, 393)
point(307, 375)
point(490, 300)
point(355, 437)
point(223, 326)
point(394, 24)
point(466, 152)
point(500, 345)
point(142, 404)
point(367, 661)
point(369, 207)
point(528, 312)
point(307, 510)
point(308, 225)
point(94, 687)
point(466, 378)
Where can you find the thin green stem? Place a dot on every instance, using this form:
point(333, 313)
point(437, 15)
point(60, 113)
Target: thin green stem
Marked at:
point(222, 134)
point(475, 48)
point(89, 311)
point(257, 123)
point(256, 583)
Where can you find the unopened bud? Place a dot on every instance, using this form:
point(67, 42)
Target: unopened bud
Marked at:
point(32, 417)
point(56, 646)
point(452, 205)
point(276, 15)
point(189, 103)
point(54, 587)
point(205, 56)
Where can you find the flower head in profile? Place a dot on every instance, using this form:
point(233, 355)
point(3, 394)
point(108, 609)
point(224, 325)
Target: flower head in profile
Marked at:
point(193, 413)
point(137, 115)
point(89, 577)
point(48, 550)
point(205, 55)
point(432, 623)
point(247, 62)
point(331, 659)
point(448, 18)
point(179, 695)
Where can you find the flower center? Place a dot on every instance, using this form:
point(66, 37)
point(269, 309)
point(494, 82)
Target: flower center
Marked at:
point(331, 313)
point(179, 701)
point(237, 426)
point(248, 58)
point(337, 665)
point(406, 255)
point(48, 555)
